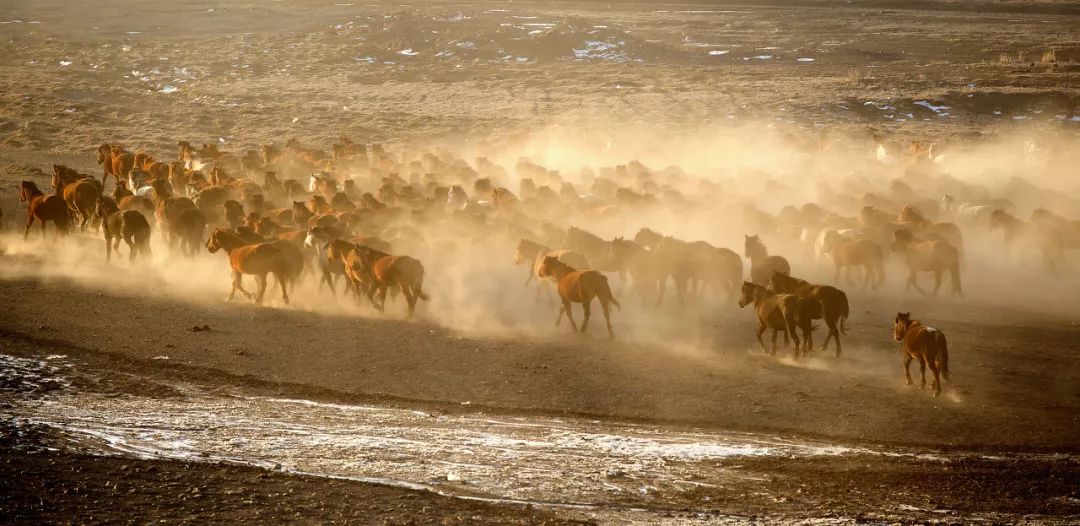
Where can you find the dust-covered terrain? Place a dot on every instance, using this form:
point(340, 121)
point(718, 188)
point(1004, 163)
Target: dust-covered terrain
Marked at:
point(468, 136)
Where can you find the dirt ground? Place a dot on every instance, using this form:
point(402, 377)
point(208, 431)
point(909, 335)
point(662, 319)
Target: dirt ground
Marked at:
point(146, 74)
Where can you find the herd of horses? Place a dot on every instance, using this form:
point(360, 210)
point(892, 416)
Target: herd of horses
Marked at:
point(368, 217)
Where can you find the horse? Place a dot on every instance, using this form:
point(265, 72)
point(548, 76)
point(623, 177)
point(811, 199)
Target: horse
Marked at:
point(696, 263)
point(376, 272)
point(646, 267)
point(831, 306)
point(579, 286)
point(254, 259)
point(775, 311)
point(923, 343)
point(43, 208)
point(848, 253)
point(80, 192)
point(128, 225)
point(1059, 235)
point(912, 219)
point(762, 265)
point(928, 256)
point(318, 240)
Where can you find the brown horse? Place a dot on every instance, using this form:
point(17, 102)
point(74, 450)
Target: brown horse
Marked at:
point(646, 268)
point(80, 192)
point(43, 208)
point(849, 253)
point(925, 344)
point(832, 306)
point(694, 264)
point(775, 311)
point(595, 249)
point(254, 259)
point(928, 256)
point(376, 272)
point(122, 162)
point(129, 225)
point(762, 265)
point(579, 286)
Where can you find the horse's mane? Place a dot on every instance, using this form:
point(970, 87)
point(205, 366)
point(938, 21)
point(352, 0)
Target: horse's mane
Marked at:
point(31, 187)
point(910, 214)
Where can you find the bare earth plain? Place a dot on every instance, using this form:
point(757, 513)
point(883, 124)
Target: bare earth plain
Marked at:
point(1000, 445)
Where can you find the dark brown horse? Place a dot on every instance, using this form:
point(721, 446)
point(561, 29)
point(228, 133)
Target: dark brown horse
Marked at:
point(43, 208)
point(775, 311)
point(832, 306)
point(762, 265)
point(130, 226)
point(646, 267)
point(253, 259)
point(579, 286)
point(698, 264)
point(925, 344)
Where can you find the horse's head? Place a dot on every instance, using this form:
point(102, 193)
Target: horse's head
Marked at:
point(746, 293)
point(901, 325)
point(104, 153)
point(217, 239)
point(27, 190)
point(551, 266)
point(752, 246)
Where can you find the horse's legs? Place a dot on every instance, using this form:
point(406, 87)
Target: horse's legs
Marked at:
point(528, 279)
point(760, 331)
point(260, 279)
point(281, 283)
point(907, 367)
point(936, 386)
point(661, 286)
point(235, 285)
point(562, 310)
point(774, 334)
point(569, 314)
point(29, 223)
point(410, 299)
point(131, 248)
point(587, 305)
point(922, 370)
point(108, 249)
point(913, 281)
point(607, 317)
point(937, 281)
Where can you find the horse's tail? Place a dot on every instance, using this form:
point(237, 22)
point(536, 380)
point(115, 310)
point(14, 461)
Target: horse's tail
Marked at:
point(607, 295)
point(845, 313)
point(418, 278)
point(943, 356)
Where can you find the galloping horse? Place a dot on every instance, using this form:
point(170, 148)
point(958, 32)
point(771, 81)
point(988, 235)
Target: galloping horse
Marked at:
point(775, 311)
point(832, 306)
point(80, 192)
point(43, 208)
point(931, 256)
point(255, 259)
point(579, 286)
point(925, 344)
